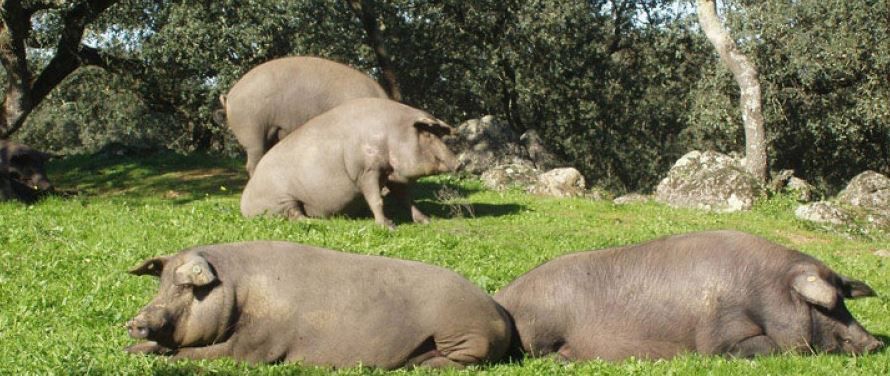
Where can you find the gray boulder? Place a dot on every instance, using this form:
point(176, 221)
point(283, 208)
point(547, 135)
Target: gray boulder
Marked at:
point(560, 182)
point(503, 177)
point(785, 181)
point(481, 144)
point(631, 198)
point(823, 212)
point(711, 181)
point(868, 190)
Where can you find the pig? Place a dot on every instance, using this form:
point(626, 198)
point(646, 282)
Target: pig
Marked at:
point(273, 301)
point(348, 154)
point(22, 172)
point(278, 96)
point(718, 292)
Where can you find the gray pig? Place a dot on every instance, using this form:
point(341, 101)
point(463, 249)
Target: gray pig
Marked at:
point(351, 152)
point(720, 292)
point(22, 172)
point(278, 96)
point(266, 301)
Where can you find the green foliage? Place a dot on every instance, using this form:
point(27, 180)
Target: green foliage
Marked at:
point(65, 293)
point(826, 92)
point(619, 89)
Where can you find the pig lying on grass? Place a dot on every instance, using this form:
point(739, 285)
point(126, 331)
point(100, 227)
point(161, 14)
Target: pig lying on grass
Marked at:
point(341, 160)
point(276, 301)
point(719, 292)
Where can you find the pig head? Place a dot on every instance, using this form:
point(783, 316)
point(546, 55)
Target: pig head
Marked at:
point(192, 308)
point(833, 327)
point(22, 172)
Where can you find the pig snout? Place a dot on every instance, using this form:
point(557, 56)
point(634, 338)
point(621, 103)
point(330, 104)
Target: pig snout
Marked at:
point(145, 324)
point(42, 183)
point(873, 346)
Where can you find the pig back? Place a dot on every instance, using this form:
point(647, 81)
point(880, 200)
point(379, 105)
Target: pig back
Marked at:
point(664, 288)
point(341, 309)
point(290, 91)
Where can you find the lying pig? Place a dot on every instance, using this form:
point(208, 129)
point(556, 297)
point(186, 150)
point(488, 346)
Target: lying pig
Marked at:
point(348, 154)
point(276, 97)
point(720, 292)
point(269, 301)
point(22, 172)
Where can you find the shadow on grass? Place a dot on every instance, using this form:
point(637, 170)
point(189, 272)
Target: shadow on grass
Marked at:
point(184, 178)
point(445, 199)
point(179, 178)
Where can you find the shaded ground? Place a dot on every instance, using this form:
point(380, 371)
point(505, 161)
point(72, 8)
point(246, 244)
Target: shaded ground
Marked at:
point(168, 175)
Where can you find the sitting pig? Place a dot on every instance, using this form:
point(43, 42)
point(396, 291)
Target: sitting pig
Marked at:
point(269, 301)
point(352, 152)
point(720, 292)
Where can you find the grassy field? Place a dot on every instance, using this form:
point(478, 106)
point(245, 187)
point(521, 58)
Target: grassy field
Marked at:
point(65, 295)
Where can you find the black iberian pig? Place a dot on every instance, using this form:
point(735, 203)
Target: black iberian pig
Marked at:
point(340, 161)
point(22, 172)
point(269, 301)
point(720, 292)
point(276, 97)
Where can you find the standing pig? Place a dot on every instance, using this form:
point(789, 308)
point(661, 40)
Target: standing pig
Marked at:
point(720, 292)
point(278, 96)
point(22, 172)
point(269, 301)
point(351, 152)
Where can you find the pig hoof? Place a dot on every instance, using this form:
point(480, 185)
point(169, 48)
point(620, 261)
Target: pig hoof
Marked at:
point(422, 219)
point(387, 224)
point(146, 348)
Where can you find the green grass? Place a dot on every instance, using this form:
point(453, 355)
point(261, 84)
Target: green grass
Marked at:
point(64, 293)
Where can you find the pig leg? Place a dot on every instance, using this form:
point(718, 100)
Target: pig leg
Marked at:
point(147, 347)
point(751, 347)
point(370, 185)
point(459, 352)
point(402, 193)
point(253, 138)
point(215, 351)
point(296, 212)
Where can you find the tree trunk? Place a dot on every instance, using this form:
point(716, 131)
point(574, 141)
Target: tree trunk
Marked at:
point(23, 92)
point(366, 12)
point(745, 74)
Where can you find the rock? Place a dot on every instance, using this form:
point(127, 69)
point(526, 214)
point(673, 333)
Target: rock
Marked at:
point(869, 190)
point(780, 180)
point(560, 182)
point(709, 180)
point(537, 153)
point(802, 191)
point(631, 198)
point(882, 253)
point(785, 181)
point(486, 142)
point(823, 212)
point(502, 177)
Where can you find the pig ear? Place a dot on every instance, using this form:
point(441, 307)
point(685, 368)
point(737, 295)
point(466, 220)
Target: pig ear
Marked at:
point(852, 288)
point(196, 271)
point(434, 126)
point(815, 290)
point(152, 266)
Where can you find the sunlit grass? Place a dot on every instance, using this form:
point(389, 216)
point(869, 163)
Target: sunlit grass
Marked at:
point(64, 293)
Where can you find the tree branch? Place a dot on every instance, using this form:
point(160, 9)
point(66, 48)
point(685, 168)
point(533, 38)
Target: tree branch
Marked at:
point(366, 13)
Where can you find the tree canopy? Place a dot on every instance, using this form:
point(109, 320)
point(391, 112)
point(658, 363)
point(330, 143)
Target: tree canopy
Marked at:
point(620, 89)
